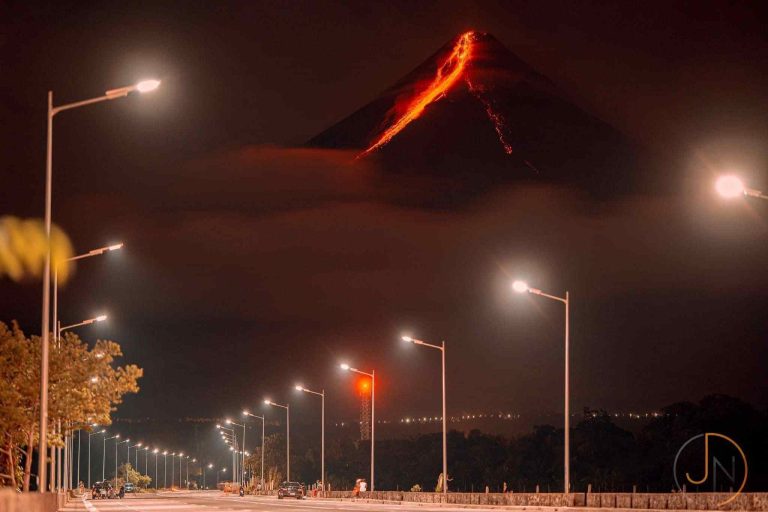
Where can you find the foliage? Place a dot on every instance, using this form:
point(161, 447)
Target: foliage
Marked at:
point(84, 388)
point(24, 245)
point(126, 473)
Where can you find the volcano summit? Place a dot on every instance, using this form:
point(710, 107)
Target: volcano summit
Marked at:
point(475, 110)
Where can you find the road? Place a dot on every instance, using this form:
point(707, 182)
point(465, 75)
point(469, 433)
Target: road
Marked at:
point(215, 501)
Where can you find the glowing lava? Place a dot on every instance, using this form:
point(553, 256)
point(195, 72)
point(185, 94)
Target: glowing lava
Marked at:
point(495, 117)
point(447, 75)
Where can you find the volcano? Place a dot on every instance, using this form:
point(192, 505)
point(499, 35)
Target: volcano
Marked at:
point(478, 115)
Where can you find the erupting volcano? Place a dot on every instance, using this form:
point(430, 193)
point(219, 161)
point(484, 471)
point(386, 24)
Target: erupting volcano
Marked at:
point(475, 114)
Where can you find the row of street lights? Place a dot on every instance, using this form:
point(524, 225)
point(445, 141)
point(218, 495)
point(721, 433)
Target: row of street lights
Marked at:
point(138, 447)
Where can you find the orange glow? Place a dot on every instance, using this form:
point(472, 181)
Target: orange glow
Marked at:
point(495, 117)
point(363, 386)
point(447, 75)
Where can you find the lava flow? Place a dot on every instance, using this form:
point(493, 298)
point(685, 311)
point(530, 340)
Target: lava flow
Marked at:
point(447, 74)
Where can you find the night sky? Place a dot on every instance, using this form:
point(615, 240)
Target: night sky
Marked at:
point(251, 263)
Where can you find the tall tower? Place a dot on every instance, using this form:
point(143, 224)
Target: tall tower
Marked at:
point(364, 388)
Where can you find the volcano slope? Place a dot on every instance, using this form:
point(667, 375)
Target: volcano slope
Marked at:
point(473, 116)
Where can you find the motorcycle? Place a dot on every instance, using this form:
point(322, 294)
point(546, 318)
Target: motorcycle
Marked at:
point(242, 491)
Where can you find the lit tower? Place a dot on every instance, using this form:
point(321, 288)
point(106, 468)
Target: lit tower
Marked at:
point(364, 387)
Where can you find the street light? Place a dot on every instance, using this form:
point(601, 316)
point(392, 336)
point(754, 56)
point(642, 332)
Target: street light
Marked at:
point(205, 470)
point(242, 463)
point(233, 440)
point(287, 408)
point(104, 454)
point(441, 348)
point(56, 455)
point(156, 451)
point(136, 456)
point(128, 441)
point(522, 287)
point(104, 433)
point(321, 394)
point(372, 375)
point(730, 187)
point(217, 475)
point(165, 468)
point(246, 413)
point(143, 86)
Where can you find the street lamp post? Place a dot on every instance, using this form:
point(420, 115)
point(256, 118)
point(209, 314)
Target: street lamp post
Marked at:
point(146, 456)
point(58, 475)
point(165, 468)
point(242, 457)
point(156, 451)
point(205, 470)
point(135, 455)
point(441, 348)
point(224, 470)
point(246, 413)
point(104, 433)
point(128, 441)
point(287, 408)
point(372, 375)
point(144, 86)
point(522, 287)
point(232, 447)
point(104, 455)
point(321, 394)
point(173, 471)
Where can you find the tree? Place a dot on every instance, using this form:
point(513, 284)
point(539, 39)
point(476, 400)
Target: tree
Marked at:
point(84, 388)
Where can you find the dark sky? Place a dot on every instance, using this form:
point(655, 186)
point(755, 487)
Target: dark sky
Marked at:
point(247, 267)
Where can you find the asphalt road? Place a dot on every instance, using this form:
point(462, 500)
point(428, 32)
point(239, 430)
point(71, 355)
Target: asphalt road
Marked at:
point(215, 501)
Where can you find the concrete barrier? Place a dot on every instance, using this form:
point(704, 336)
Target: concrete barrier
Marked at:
point(751, 502)
point(13, 501)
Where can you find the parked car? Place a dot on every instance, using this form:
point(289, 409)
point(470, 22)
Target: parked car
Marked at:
point(129, 487)
point(290, 490)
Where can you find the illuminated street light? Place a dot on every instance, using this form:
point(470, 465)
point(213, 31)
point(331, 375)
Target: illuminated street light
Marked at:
point(521, 287)
point(136, 456)
point(730, 187)
point(102, 432)
point(321, 394)
point(144, 86)
point(441, 348)
point(372, 375)
point(287, 408)
point(156, 451)
point(229, 437)
point(104, 454)
point(242, 457)
point(147, 85)
point(165, 468)
point(128, 441)
point(246, 413)
point(90, 321)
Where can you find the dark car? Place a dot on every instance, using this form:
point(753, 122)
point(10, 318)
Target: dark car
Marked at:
point(100, 490)
point(290, 490)
point(129, 487)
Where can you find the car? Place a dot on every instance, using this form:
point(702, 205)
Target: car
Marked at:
point(290, 490)
point(100, 490)
point(129, 487)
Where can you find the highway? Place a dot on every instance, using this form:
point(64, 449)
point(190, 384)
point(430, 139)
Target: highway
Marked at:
point(216, 501)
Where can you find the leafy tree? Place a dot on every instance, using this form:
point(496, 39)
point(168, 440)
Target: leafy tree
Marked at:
point(84, 388)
